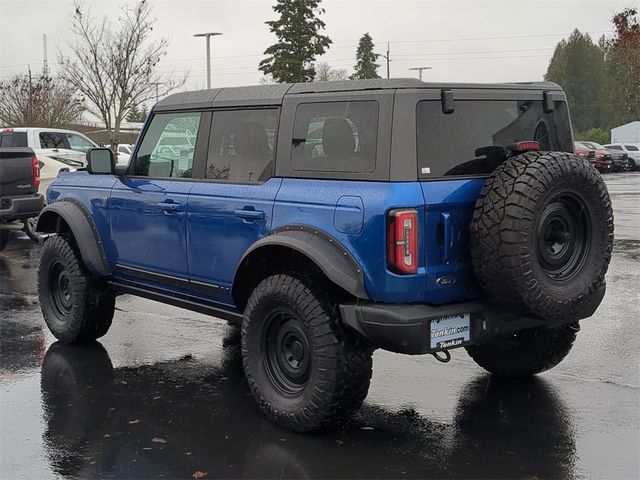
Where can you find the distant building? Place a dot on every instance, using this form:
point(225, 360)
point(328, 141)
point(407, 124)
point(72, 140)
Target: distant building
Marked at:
point(628, 133)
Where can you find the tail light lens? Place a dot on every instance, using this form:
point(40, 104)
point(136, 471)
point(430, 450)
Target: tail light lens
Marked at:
point(402, 247)
point(36, 172)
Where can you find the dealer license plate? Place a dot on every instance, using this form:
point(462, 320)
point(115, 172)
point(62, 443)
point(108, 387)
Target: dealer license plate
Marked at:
point(450, 332)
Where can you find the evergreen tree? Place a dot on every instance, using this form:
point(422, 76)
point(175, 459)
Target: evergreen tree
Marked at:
point(578, 66)
point(137, 115)
point(291, 59)
point(366, 66)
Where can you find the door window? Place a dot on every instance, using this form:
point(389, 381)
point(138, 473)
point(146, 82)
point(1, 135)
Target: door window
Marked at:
point(335, 137)
point(631, 148)
point(78, 142)
point(53, 140)
point(168, 146)
point(242, 145)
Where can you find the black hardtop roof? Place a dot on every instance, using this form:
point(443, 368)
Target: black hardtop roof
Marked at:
point(273, 94)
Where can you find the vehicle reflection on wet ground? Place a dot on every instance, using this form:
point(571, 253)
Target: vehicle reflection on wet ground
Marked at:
point(163, 395)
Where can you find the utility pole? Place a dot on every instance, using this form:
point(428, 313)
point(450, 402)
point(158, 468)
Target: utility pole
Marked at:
point(45, 66)
point(420, 69)
point(156, 85)
point(208, 37)
point(386, 57)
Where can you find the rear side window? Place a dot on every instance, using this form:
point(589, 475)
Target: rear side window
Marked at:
point(13, 139)
point(335, 137)
point(448, 144)
point(168, 146)
point(242, 145)
point(631, 148)
point(53, 140)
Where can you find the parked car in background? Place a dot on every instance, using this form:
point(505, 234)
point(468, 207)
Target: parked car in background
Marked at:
point(631, 149)
point(596, 154)
point(56, 149)
point(124, 153)
point(19, 197)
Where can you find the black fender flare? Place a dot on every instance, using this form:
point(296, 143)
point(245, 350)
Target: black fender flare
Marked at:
point(335, 261)
point(83, 229)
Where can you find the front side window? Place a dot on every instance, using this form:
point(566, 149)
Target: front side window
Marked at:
point(631, 148)
point(464, 142)
point(335, 137)
point(168, 146)
point(78, 142)
point(242, 145)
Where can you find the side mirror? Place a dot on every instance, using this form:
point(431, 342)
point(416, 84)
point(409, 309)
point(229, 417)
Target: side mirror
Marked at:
point(100, 161)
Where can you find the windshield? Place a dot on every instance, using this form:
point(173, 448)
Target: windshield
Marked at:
point(463, 142)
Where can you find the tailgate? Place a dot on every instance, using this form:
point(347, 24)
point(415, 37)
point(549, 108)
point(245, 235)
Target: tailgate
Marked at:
point(16, 172)
point(449, 209)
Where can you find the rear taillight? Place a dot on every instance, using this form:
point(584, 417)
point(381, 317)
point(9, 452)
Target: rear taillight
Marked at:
point(36, 172)
point(402, 246)
point(525, 146)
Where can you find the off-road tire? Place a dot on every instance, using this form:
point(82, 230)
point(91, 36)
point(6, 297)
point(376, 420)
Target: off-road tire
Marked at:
point(76, 306)
point(525, 353)
point(509, 230)
point(340, 364)
point(4, 239)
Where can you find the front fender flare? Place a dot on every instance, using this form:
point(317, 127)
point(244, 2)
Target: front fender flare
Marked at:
point(83, 229)
point(335, 261)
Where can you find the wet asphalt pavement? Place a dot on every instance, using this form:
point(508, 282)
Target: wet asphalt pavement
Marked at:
point(163, 395)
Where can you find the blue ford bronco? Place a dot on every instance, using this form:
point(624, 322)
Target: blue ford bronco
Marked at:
point(330, 219)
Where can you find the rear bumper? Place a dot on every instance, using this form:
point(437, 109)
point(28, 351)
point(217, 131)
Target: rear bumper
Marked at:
point(405, 328)
point(19, 208)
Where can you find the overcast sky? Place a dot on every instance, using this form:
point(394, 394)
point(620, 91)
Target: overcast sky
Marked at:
point(473, 41)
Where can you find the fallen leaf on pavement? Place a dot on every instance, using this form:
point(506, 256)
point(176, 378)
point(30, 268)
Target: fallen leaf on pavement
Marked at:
point(198, 474)
point(158, 440)
point(133, 422)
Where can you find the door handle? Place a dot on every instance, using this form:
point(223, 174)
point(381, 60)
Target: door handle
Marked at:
point(447, 240)
point(249, 214)
point(170, 206)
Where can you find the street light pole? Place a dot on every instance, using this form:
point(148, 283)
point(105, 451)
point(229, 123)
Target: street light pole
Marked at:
point(208, 36)
point(420, 69)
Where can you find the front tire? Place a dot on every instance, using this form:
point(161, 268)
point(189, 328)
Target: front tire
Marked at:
point(527, 352)
point(77, 307)
point(304, 369)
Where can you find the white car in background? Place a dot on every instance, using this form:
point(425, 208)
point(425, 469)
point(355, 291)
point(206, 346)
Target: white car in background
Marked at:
point(56, 149)
point(631, 149)
point(124, 153)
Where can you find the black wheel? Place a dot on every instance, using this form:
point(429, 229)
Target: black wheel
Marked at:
point(525, 353)
point(76, 306)
point(542, 234)
point(304, 369)
point(4, 239)
point(30, 228)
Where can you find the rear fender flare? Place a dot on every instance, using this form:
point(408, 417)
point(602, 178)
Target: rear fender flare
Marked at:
point(83, 229)
point(331, 257)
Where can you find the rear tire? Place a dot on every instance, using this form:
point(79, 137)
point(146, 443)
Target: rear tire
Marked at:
point(77, 307)
point(304, 369)
point(542, 234)
point(525, 353)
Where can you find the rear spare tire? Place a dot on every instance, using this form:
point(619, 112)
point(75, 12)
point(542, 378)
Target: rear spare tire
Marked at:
point(542, 234)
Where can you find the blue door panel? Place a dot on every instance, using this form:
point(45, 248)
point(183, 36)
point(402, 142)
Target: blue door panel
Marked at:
point(148, 225)
point(449, 210)
point(224, 220)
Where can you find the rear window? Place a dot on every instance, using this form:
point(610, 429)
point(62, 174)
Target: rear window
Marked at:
point(13, 139)
point(447, 144)
point(335, 137)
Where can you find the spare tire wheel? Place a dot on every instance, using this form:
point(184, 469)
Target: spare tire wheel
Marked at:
point(542, 234)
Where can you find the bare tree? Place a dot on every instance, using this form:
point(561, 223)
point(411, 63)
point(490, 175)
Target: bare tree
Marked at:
point(325, 73)
point(40, 101)
point(116, 69)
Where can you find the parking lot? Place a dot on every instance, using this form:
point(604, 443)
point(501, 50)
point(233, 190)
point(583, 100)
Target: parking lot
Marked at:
point(163, 395)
